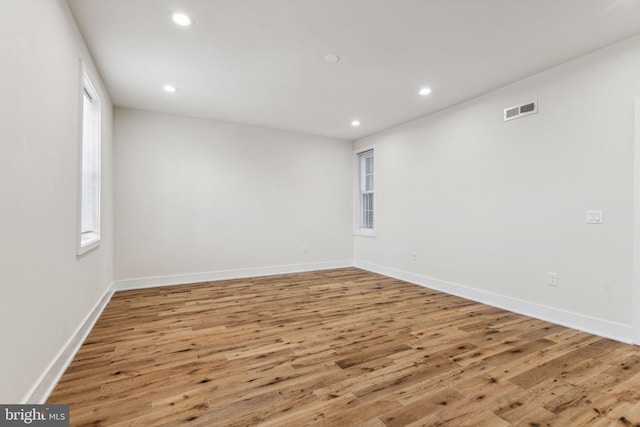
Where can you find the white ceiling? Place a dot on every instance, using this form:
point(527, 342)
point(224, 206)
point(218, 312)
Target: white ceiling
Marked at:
point(261, 62)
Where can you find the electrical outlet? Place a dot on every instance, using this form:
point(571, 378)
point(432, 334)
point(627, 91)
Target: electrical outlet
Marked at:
point(305, 248)
point(552, 279)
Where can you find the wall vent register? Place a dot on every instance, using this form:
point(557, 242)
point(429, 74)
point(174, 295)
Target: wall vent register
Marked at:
point(521, 110)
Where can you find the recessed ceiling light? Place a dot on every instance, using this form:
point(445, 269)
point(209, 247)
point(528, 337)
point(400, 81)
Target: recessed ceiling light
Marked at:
point(331, 58)
point(170, 89)
point(355, 123)
point(181, 19)
point(425, 91)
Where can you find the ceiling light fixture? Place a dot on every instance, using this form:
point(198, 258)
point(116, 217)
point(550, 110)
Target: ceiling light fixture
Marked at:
point(181, 19)
point(331, 58)
point(170, 89)
point(425, 91)
point(355, 123)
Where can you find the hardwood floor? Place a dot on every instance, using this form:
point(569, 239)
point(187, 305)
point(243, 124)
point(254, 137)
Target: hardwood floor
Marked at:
point(341, 347)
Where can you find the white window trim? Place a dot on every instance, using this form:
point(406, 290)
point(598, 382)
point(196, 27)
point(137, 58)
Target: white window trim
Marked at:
point(87, 241)
point(357, 231)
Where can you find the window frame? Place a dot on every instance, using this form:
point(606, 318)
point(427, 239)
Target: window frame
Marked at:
point(359, 190)
point(88, 240)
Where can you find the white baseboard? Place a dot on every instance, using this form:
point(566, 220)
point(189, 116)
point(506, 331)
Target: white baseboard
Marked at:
point(40, 392)
point(182, 279)
point(50, 377)
point(592, 325)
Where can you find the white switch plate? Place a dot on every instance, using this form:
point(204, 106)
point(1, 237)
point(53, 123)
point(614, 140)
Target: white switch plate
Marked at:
point(552, 279)
point(595, 216)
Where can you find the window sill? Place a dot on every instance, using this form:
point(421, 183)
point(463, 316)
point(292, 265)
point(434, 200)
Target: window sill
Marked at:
point(365, 233)
point(88, 242)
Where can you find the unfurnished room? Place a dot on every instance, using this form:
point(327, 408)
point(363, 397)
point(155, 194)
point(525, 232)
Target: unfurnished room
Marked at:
point(320, 213)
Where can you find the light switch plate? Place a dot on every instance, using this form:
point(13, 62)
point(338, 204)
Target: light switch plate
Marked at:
point(595, 216)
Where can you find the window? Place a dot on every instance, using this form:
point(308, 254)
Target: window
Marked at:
point(365, 160)
point(90, 168)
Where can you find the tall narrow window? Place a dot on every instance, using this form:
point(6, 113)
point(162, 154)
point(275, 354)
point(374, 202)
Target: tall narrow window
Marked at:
point(90, 176)
point(366, 189)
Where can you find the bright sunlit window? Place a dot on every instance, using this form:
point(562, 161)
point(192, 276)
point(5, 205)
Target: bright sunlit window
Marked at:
point(90, 174)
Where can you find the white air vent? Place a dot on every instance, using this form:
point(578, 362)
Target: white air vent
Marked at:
point(521, 110)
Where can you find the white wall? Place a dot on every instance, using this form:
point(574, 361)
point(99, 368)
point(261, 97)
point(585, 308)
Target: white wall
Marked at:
point(494, 206)
point(46, 290)
point(199, 196)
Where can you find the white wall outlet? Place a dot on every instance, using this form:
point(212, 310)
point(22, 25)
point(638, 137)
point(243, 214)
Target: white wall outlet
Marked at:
point(552, 279)
point(305, 248)
point(595, 216)
point(414, 256)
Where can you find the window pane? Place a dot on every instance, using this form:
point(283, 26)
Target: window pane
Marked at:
point(90, 168)
point(366, 189)
point(367, 211)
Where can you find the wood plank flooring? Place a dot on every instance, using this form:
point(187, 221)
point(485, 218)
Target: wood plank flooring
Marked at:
point(339, 348)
